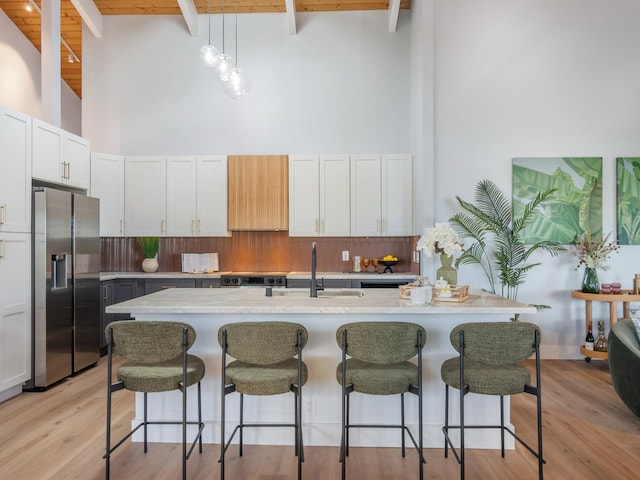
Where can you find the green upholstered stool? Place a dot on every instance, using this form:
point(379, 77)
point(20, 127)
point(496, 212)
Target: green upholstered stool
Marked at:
point(624, 363)
point(156, 361)
point(489, 364)
point(378, 364)
point(268, 361)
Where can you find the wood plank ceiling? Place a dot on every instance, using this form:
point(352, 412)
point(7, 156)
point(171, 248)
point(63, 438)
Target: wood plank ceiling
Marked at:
point(71, 23)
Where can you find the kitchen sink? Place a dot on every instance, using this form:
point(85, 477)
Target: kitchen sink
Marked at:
point(326, 293)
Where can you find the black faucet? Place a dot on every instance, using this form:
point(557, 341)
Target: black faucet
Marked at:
point(314, 285)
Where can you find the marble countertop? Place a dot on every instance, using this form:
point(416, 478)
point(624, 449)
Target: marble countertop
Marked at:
point(290, 275)
point(335, 301)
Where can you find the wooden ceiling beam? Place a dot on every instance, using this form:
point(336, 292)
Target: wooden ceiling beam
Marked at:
point(190, 15)
point(90, 15)
point(394, 12)
point(290, 5)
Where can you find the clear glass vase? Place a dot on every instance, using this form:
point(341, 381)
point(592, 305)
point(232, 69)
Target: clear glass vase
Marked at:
point(590, 282)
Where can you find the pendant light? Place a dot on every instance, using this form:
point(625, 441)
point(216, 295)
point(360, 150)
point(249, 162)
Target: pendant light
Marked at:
point(209, 53)
point(224, 62)
point(236, 83)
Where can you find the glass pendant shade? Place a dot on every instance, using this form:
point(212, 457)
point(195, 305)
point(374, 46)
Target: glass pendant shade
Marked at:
point(237, 84)
point(209, 55)
point(224, 64)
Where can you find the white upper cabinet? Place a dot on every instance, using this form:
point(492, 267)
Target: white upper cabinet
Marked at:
point(145, 196)
point(197, 196)
point(304, 195)
point(59, 156)
point(211, 204)
point(381, 195)
point(319, 195)
point(181, 196)
point(15, 309)
point(107, 184)
point(15, 171)
point(397, 195)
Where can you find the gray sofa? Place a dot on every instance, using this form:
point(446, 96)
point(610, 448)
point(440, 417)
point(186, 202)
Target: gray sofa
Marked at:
point(624, 363)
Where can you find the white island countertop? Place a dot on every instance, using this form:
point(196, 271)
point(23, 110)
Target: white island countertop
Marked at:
point(293, 300)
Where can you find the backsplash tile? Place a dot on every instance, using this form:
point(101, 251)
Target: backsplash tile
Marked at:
point(260, 252)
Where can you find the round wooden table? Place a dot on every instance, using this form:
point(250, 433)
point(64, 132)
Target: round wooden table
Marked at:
point(625, 296)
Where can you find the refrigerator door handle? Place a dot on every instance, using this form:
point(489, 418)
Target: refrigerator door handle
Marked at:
point(3, 244)
point(3, 214)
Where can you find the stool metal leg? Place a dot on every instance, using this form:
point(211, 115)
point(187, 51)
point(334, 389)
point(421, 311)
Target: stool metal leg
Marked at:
point(241, 421)
point(402, 430)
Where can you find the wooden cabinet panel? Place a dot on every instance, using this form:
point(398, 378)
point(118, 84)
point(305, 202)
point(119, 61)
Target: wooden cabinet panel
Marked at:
point(258, 192)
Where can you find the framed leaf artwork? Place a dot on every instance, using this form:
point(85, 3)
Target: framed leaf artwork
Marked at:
point(576, 206)
point(628, 200)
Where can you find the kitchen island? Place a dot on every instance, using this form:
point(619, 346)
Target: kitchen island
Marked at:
point(208, 309)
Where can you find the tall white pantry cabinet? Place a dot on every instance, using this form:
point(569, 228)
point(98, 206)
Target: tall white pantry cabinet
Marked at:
point(15, 251)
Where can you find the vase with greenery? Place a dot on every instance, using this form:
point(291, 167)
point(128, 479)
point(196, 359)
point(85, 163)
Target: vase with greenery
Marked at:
point(593, 252)
point(495, 237)
point(149, 246)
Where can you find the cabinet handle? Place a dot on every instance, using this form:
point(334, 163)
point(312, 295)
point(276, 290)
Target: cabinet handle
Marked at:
point(105, 288)
point(316, 230)
point(3, 244)
point(168, 286)
point(162, 227)
point(68, 170)
point(120, 226)
point(63, 166)
point(198, 226)
point(193, 227)
point(3, 214)
point(378, 229)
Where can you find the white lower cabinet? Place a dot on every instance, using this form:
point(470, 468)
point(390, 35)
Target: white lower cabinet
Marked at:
point(319, 195)
point(381, 195)
point(15, 171)
point(107, 184)
point(145, 186)
point(15, 309)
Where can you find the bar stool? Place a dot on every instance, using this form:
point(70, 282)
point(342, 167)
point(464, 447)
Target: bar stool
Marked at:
point(268, 361)
point(156, 361)
point(489, 364)
point(379, 365)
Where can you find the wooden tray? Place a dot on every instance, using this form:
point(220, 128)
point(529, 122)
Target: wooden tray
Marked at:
point(405, 290)
point(459, 294)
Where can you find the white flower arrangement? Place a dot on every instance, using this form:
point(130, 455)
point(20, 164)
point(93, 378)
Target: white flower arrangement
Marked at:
point(440, 239)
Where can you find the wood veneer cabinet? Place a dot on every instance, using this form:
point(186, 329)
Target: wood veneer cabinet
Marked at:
point(258, 192)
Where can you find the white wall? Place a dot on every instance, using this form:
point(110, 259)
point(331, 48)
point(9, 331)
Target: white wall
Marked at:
point(340, 85)
point(20, 79)
point(537, 78)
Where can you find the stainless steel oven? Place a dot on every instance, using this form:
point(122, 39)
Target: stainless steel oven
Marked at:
point(254, 279)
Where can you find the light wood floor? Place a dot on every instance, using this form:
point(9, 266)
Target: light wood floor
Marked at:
point(59, 434)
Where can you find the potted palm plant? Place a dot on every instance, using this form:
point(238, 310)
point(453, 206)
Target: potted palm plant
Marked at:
point(149, 247)
point(495, 237)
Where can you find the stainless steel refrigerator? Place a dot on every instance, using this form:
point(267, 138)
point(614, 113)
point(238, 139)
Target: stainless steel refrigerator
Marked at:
point(66, 276)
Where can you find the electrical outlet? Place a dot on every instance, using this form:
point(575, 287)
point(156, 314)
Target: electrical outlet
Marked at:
point(345, 255)
point(310, 407)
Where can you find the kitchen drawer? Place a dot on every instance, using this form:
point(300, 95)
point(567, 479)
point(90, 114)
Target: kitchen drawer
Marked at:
point(156, 284)
point(208, 283)
point(326, 282)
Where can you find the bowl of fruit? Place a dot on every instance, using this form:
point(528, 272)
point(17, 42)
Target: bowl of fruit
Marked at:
point(388, 261)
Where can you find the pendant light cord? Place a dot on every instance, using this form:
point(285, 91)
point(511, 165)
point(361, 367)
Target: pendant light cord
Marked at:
point(236, 33)
point(209, 12)
point(223, 49)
